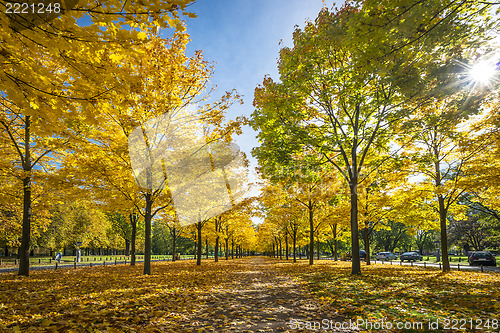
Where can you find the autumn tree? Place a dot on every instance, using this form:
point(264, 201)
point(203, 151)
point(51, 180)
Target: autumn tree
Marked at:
point(323, 102)
point(424, 239)
point(292, 196)
point(78, 221)
point(375, 207)
point(122, 227)
point(294, 219)
point(310, 195)
point(218, 222)
point(392, 235)
point(127, 150)
point(484, 168)
point(344, 83)
point(244, 236)
point(337, 220)
point(265, 239)
point(475, 230)
point(175, 229)
point(402, 37)
point(31, 139)
point(52, 65)
point(442, 153)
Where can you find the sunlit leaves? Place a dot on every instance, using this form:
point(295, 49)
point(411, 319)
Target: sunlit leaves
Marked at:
point(105, 297)
point(401, 293)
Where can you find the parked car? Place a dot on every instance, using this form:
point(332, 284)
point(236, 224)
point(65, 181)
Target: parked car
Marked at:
point(411, 256)
point(386, 256)
point(362, 255)
point(484, 258)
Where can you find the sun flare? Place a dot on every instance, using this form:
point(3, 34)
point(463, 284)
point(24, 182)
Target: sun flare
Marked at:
point(482, 72)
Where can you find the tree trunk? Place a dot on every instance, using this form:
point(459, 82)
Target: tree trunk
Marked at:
point(317, 248)
point(133, 223)
point(335, 253)
point(147, 228)
point(311, 233)
point(198, 255)
point(279, 247)
point(442, 214)
point(336, 256)
point(294, 240)
point(195, 245)
point(232, 248)
point(206, 247)
point(24, 256)
point(356, 264)
point(127, 247)
point(174, 244)
point(444, 238)
point(227, 248)
point(367, 245)
point(286, 246)
point(216, 250)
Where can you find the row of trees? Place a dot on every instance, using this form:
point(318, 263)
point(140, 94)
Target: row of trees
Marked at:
point(69, 224)
point(218, 236)
point(96, 106)
point(81, 225)
point(476, 233)
point(377, 119)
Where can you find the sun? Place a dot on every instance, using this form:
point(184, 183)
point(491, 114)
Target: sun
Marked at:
point(482, 72)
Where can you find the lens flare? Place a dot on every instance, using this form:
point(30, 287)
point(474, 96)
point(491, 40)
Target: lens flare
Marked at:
point(482, 72)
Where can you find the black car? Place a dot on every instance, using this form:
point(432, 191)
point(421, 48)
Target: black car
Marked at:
point(410, 256)
point(484, 258)
point(362, 255)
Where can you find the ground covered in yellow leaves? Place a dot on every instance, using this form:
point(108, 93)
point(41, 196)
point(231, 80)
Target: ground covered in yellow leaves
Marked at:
point(229, 296)
point(442, 302)
point(248, 295)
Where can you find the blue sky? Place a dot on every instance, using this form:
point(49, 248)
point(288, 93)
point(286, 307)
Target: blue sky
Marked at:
point(242, 37)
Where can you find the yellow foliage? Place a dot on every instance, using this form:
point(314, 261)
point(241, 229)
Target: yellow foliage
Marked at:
point(118, 297)
point(401, 293)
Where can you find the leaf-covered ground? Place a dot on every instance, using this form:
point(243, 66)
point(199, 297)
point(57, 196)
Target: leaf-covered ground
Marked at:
point(244, 295)
point(460, 301)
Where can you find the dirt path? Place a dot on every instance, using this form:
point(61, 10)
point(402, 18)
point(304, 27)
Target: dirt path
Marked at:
point(257, 299)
